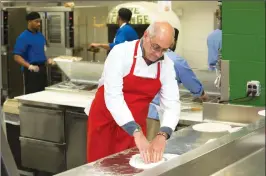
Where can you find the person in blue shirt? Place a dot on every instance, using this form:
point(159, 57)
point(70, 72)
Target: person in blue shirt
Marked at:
point(124, 33)
point(214, 43)
point(185, 76)
point(29, 52)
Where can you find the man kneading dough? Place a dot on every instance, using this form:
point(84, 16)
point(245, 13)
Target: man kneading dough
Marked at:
point(134, 72)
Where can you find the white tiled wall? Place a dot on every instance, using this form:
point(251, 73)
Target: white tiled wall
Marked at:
point(197, 21)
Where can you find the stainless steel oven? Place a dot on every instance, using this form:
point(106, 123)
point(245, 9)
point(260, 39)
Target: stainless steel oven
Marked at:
point(55, 29)
point(13, 23)
point(3, 48)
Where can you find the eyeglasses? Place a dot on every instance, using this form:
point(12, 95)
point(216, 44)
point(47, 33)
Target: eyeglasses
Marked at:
point(155, 47)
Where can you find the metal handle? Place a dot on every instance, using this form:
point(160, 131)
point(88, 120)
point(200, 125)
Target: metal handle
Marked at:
point(41, 142)
point(46, 31)
point(77, 115)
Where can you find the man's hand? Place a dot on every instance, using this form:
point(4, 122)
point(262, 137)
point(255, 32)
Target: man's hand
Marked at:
point(97, 45)
point(204, 97)
point(157, 148)
point(50, 61)
point(34, 68)
point(143, 145)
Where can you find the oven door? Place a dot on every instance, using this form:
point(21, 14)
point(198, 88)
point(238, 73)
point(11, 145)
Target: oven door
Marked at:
point(55, 29)
point(43, 22)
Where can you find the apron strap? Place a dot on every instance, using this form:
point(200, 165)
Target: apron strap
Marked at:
point(134, 59)
point(158, 70)
point(134, 62)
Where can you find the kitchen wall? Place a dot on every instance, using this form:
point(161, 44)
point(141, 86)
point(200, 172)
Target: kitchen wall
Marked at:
point(244, 46)
point(89, 31)
point(197, 21)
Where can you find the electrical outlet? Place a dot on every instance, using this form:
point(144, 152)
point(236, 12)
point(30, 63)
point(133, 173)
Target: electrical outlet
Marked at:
point(253, 87)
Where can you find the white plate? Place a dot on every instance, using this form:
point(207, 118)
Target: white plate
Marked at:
point(262, 113)
point(211, 127)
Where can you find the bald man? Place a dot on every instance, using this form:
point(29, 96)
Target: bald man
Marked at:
point(133, 74)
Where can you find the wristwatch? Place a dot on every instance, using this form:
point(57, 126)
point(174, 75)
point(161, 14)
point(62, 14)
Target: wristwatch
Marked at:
point(138, 129)
point(163, 134)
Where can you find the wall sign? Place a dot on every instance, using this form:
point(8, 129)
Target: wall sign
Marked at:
point(137, 16)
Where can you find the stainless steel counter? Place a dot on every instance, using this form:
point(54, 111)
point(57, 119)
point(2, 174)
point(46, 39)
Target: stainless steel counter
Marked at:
point(57, 98)
point(253, 164)
point(181, 142)
point(63, 132)
point(212, 157)
point(191, 146)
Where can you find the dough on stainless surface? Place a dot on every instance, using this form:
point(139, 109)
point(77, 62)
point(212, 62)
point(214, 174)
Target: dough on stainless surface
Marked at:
point(211, 127)
point(137, 162)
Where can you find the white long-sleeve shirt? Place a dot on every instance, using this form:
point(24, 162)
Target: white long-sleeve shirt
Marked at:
point(118, 65)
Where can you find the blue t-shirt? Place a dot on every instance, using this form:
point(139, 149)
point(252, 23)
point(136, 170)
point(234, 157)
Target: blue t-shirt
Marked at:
point(31, 47)
point(125, 33)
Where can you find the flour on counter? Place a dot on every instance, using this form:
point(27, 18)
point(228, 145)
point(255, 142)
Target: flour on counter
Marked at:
point(211, 127)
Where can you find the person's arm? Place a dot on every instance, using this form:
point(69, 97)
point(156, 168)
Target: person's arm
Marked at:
point(153, 112)
point(19, 59)
point(113, 94)
point(211, 53)
point(169, 100)
point(170, 106)
point(187, 77)
point(20, 49)
point(119, 38)
point(48, 60)
point(100, 45)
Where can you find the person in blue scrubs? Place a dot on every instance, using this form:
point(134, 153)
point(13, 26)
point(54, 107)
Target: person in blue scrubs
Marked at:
point(214, 43)
point(124, 33)
point(185, 76)
point(29, 52)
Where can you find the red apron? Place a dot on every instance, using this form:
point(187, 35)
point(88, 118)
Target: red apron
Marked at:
point(104, 135)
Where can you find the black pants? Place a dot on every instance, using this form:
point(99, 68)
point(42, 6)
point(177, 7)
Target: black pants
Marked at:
point(35, 81)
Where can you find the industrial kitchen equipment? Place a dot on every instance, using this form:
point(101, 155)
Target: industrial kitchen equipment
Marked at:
point(8, 165)
point(13, 23)
point(58, 135)
point(57, 25)
point(3, 42)
point(80, 75)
